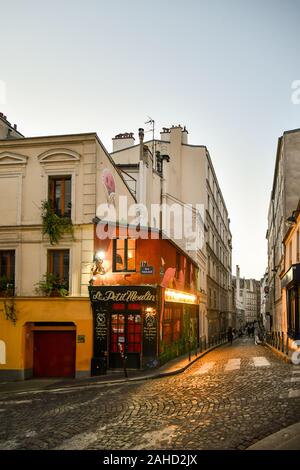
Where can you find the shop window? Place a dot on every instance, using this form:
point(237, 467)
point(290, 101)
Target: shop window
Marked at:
point(7, 270)
point(172, 324)
point(58, 265)
point(118, 306)
point(60, 195)
point(124, 254)
point(134, 333)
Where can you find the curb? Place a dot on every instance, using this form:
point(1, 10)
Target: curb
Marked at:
point(280, 354)
point(285, 439)
point(158, 375)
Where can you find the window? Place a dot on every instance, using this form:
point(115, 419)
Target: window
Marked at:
point(58, 265)
point(187, 274)
point(7, 269)
point(290, 253)
point(298, 245)
point(172, 324)
point(124, 254)
point(178, 264)
point(60, 195)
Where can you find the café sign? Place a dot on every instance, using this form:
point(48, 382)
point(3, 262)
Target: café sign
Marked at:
point(119, 294)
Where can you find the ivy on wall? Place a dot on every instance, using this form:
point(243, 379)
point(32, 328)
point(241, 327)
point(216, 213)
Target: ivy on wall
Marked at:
point(53, 225)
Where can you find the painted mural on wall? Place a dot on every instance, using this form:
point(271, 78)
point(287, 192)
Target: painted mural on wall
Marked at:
point(109, 184)
point(173, 280)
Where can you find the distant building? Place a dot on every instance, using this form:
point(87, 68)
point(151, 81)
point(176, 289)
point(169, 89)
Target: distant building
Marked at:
point(247, 299)
point(7, 130)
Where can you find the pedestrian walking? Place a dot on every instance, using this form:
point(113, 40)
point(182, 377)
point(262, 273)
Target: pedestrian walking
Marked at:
point(229, 335)
point(256, 335)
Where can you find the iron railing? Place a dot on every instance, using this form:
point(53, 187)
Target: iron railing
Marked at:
point(278, 340)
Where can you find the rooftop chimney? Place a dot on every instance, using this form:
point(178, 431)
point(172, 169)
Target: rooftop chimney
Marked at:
point(184, 136)
point(165, 134)
point(123, 141)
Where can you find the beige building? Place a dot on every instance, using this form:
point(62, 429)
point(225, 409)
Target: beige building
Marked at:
point(43, 333)
point(171, 171)
point(284, 198)
point(290, 281)
point(30, 169)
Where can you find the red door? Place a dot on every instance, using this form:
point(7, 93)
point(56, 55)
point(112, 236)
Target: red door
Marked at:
point(54, 353)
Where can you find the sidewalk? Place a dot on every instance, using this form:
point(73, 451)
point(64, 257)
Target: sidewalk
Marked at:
point(285, 439)
point(175, 366)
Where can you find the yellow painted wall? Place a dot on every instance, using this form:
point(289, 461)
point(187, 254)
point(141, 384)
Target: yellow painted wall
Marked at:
point(19, 338)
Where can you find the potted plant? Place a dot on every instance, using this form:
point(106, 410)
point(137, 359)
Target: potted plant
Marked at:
point(52, 286)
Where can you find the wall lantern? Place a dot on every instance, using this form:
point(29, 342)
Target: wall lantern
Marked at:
point(98, 266)
point(292, 219)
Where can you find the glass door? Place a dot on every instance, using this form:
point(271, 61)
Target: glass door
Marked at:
point(125, 335)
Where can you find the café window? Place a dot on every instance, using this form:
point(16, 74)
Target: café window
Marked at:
point(60, 195)
point(7, 269)
point(178, 264)
point(187, 277)
point(58, 265)
point(293, 302)
point(124, 254)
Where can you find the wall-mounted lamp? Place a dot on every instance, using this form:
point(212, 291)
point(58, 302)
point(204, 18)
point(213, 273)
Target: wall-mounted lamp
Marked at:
point(292, 219)
point(100, 255)
point(98, 267)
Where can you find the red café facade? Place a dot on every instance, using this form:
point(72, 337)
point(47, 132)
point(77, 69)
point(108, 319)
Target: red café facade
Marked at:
point(145, 302)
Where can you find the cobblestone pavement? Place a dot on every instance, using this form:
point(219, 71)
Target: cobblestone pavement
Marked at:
point(229, 399)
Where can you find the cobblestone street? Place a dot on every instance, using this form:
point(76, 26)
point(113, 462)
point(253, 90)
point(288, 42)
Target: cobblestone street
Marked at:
point(229, 399)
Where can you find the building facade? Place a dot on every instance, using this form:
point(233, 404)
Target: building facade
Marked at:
point(175, 172)
point(46, 322)
point(290, 282)
point(67, 310)
point(284, 198)
point(145, 300)
point(248, 299)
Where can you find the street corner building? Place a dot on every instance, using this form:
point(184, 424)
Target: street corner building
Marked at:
point(73, 304)
point(145, 304)
point(50, 188)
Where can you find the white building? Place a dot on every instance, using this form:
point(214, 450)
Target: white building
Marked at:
point(247, 299)
point(169, 171)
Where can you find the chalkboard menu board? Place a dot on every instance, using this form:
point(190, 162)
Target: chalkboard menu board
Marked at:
point(150, 334)
point(100, 330)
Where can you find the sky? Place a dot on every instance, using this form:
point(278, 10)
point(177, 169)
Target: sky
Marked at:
point(224, 69)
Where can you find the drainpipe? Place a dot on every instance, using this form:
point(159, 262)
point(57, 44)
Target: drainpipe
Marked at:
point(142, 179)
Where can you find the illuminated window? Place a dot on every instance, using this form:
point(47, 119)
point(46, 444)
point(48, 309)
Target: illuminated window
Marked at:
point(124, 254)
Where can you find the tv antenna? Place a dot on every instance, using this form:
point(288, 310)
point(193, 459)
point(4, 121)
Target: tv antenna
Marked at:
point(151, 122)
